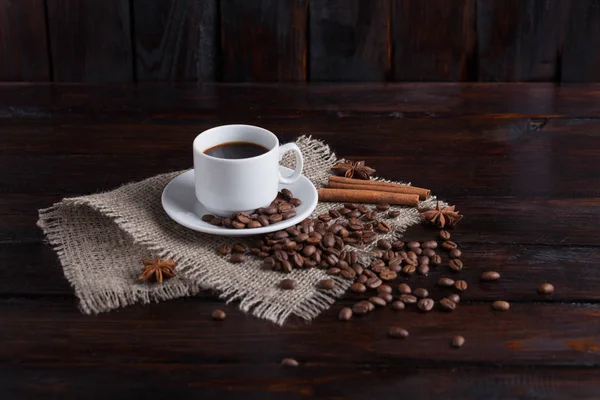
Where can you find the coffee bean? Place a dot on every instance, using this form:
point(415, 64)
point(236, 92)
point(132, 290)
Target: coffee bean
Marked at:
point(207, 217)
point(262, 255)
point(490, 276)
point(457, 341)
point(445, 235)
point(227, 223)
point(334, 213)
point(351, 206)
point(216, 221)
point(238, 225)
point(354, 214)
point(384, 289)
point(243, 218)
point(398, 245)
point(263, 220)
point(275, 218)
point(287, 284)
point(398, 305)
point(362, 279)
point(280, 255)
point(295, 202)
point(289, 362)
point(326, 284)
point(325, 217)
point(270, 210)
point(331, 259)
point(449, 245)
point(447, 304)
point(425, 304)
point(345, 314)
point(253, 224)
point(383, 206)
point(287, 194)
point(290, 245)
point(428, 253)
point(237, 258)
point(298, 260)
point(225, 249)
point(394, 213)
point(343, 233)
point(370, 215)
point(388, 275)
point(333, 271)
point(309, 250)
point(369, 237)
point(268, 263)
point(286, 207)
point(218, 315)
point(383, 227)
point(421, 293)
point(423, 269)
point(387, 297)
point(384, 244)
point(455, 265)
point(546, 288)
point(454, 298)
point(455, 253)
point(429, 244)
point(289, 214)
point(358, 269)
point(348, 274)
point(500, 305)
point(378, 301)
point(309, 263)
point(446, 282)
point(409, 269)
point(344, 210)
point(361, 308)
point(397, 333)
point(417, 250)
point(407, 298)
point(373, 283)
point(435, 260)
point(411, 255)
point(286, 266)
point(460, 285)
point(395, 261)
point(358, 287)
point(403, 288)
point(423, 260)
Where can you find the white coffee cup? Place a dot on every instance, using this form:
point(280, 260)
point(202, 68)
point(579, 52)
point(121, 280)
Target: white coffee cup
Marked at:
point(224, 186)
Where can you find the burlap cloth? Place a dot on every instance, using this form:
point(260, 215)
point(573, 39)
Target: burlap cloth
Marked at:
point(101, 238)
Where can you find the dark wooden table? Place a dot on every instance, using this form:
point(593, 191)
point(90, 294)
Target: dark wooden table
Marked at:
point(521, 161)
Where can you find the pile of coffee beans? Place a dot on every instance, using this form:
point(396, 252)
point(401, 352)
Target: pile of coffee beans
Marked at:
point(282, 208)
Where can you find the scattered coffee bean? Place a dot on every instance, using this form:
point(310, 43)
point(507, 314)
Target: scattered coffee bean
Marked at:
point(501, 305)
point(394, 213)
point(430, 244)
point(384, 244)
point(449, 245)
point(334, 213)
point(384, 289)
point(460, 285)
point(413, 244)
point(409, 269)
point(446, 282)
point(435, 260)
point(218, 315)
point(403, 288)
point(546, 288)
point(239, 248)
point(445, 235)
point(423, 269)
point(287, 284)
point(207, 217)
point(358, 287)
point(421, 293)
point(417, 250)
point(398, 305)
point(225, 249)
point(387, 297)
point(216, 221)
point(296, 202)
point(378, 301)
point(455, 265)
point(374, 283)
point(327, 284)
point(286, 266)
point(454, 298)
point(457, 341)
point(397, 333)
point(490, 276)
point(289, 362)
point(333, 271)
point(325, 217)
point(425, 304)
point(345, 314)
point(447, 304)
point(383, 227)
point(237, 258)
point(388, 275)
point(361, 308)
point(407, 298)
point(423, 260)
point(455, 253)
point(383, 206)
point(429, 253)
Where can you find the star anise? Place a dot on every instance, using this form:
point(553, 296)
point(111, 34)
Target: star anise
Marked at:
point(442, 217)
point(353, 169)
point(157, 270)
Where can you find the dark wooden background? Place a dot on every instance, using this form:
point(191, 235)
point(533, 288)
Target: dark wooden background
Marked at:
point(299, 40)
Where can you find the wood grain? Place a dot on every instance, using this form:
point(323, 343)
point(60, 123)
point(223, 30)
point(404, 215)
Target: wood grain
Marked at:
point(520, 40)
point(23, 41)
point(579, 63)
point(349, 40)
point(90, 40)
point(176, 40)
point(264, 40)
point(434, 40)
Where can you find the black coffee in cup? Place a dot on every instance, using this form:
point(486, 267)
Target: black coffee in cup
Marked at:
point(236, 150)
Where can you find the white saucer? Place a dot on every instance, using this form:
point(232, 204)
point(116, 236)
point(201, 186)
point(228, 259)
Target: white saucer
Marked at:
point(180, 203)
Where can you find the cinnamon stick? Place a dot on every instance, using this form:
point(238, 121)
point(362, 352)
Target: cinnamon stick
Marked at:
point(381, 186)
point(367, 196)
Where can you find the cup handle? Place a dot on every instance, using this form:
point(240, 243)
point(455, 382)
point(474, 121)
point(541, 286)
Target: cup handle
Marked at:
point(299, 162)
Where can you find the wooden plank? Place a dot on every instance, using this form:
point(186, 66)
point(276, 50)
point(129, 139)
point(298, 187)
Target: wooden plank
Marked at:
point(520, 40)
point(349, 40)
point(181, 331)
point(572, 269)
point(175, 40)
point(272, 381)
point(23, 41)
point(434, 40)
point(90, 40)
point(580, 60)
point(264, 40)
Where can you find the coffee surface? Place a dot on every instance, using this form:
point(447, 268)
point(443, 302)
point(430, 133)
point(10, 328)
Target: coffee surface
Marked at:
point(236, 150)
